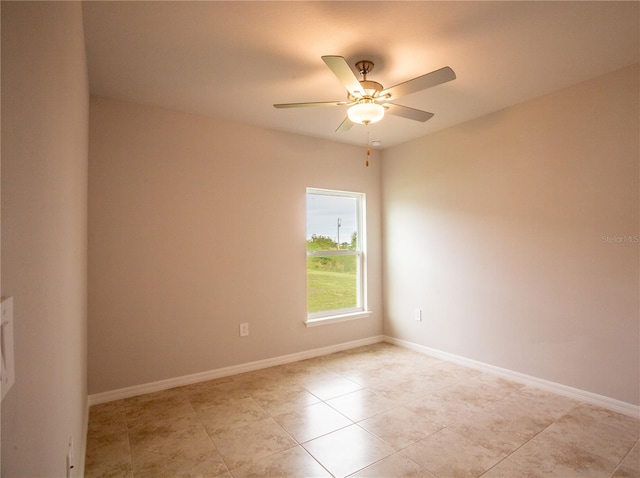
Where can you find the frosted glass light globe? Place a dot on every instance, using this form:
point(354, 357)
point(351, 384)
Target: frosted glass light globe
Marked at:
point(365, 113)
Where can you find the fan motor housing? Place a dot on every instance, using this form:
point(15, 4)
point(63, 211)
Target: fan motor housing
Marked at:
point(371, 85)
point(370, 88)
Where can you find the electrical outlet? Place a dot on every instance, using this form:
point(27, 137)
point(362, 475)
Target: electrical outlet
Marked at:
point(244, 329)
point(417, 315)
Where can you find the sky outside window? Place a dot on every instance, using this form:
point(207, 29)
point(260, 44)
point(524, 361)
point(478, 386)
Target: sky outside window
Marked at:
point(323, 213)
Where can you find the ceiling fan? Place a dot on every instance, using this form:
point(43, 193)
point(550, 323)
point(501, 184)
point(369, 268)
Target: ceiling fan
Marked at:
point(368, 100)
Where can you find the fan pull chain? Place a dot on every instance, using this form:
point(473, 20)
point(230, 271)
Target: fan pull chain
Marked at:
point(368, 147)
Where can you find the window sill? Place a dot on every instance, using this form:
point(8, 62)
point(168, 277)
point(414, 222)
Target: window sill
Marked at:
point(333, 319)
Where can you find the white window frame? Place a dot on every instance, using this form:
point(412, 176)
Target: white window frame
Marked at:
point(360, 310)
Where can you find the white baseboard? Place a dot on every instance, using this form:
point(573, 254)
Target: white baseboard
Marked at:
point(570, 392)
point(158, 386)
point(564, 390)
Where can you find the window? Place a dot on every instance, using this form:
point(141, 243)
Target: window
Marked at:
point(335, 256)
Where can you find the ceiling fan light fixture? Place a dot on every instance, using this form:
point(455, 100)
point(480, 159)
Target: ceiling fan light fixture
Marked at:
point(365, 113)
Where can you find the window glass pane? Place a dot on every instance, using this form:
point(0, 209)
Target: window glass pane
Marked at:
point(334, 253)
point(332, 283)
point(332, 222)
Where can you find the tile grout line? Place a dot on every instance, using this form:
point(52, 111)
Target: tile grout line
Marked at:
point(226, 465)
point(482, 446)
point(637, 444)
point(483, 395)
point(126, 422)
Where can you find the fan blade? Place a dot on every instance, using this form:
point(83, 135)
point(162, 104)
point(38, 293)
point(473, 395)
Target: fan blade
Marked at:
point(339, 66)
point(409, 113)
point(317, 103)
point(423, 82)
point(345, 125)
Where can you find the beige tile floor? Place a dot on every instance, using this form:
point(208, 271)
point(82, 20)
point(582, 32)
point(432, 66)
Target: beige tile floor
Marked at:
point(375, 411)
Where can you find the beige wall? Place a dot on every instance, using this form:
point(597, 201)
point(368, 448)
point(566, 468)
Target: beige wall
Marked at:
point(496, 229)
point(45, 108)
point(197, 225)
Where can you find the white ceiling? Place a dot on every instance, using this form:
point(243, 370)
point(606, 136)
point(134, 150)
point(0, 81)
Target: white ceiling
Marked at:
point(234, 60)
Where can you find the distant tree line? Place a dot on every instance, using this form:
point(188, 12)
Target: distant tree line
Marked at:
point(325, 243)
point(332, 263)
